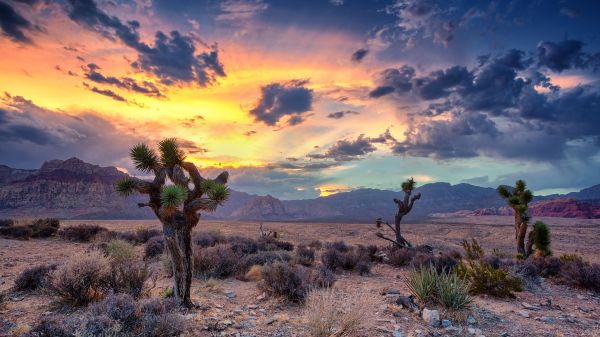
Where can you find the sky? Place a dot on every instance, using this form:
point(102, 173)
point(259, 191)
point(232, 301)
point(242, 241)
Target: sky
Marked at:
point(299, 99)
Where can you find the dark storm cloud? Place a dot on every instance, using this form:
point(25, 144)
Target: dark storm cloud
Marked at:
point(565, 55)
point(172, 58)
point(394, 80)
point(353, 149)
point(144, 87)
point(495, 109)
point(342, 114)
point(14, 25)
point(359, 55)
point(30, 135)
point(278, 100)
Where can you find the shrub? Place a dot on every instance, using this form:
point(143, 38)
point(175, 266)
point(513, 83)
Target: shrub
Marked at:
point(16, 232)
point(81, 233)
point(53, 326)
point(99, 326)
point(144, 234)
point(81, 280)
point(348, 259)
point(331, 313)
point(242, 245)
point(322, 277)
point(268, 243)
point(167, 293)
point(340, 246)
point(565, 258)
point(120, 251)
point(315, 244)
point(283, 279)
point(7, 222)
point(452, 291)
point(304, 256)
point(473, 250)
point(44, 228)
point(208, 239)
point(363, 268)
point(400, 257)
point(157, 318)
point(34, 278)
point(154, 247)
point(485, 279)
point(369, 252)
point(260, 258)
point(541, 239)
point(422, 283)
point(581, 274)
point(540, 266)
point(118, 307)
point(254, 273)
point(219, 261)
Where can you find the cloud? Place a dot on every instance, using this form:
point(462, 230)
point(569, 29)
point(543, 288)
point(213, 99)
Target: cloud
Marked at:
point(14, 25)
point(349, 149)
point(105, 92)
point(144, 87)
point(394, 80)
point(30, 135)
point(278, 100)
point(240, 10)
point(172, 58)
point(359, 55)
point(565, 55)
point(342, 114)
point(495, 109)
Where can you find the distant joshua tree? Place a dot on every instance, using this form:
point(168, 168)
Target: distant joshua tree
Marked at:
point(176, 205)
point(404, 207)
point(518, 199)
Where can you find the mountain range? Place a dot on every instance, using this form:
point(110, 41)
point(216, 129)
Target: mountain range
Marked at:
point(75, 189)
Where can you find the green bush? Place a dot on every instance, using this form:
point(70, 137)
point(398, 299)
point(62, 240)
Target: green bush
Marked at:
point(541, 239)
point(452, 291)
point(485, 279)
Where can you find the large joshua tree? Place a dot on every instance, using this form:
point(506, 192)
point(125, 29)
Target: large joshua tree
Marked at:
point(176, 203)
point(404, 207)
point(518, 199)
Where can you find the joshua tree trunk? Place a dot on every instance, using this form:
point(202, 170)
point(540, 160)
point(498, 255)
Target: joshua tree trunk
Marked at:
point(176, 206)
point(404, 207)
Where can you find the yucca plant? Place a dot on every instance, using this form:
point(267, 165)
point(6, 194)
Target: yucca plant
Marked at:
point(453, 291)
point(541, 239)
point(422, 283)
point(178, 205)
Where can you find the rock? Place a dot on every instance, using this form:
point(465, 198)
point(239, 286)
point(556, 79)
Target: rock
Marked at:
point(474, 331)
point(271, 320)
point(446, 323)
point(505, 334)
point(245, 325)
point(547, 319)
point(524, 313)
point(431, 317)
point(390, 291)
point(230, 294)
point(397, 333)
point(471, 320)
point(261, 297)
point(530, 306)
point(417, 333)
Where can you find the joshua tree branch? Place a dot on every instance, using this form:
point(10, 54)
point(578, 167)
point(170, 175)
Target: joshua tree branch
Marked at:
point(198, 204)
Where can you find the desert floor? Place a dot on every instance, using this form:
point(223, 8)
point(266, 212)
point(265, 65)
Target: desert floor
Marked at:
point(242, 311)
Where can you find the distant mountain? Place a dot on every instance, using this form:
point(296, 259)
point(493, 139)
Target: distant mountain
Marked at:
point(75, 189)
point(560, 208)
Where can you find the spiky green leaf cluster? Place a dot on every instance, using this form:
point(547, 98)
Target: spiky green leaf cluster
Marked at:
point(125, 186)
point(519, 197)
point(541, 238)
point(219, 193)
point(170, 153)
point(207, 185)
point(409, 185)
point(144, 158)
point(173, 195)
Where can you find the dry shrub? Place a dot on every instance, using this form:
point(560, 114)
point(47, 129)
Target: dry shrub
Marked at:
point(322, 277)
point(81, 233)
point(304, 256)
point(400, 257)
point(144, 234)
point(243, 245)
point(7, 222)
point(260, 258)
point(254, 274)
point(118, 307)
point(316, 245)
point(128, 274)
point(332, 313)
point(44, 227)
point(283, 279)
point(340, 246)
point(582, 274)
point(82, 280)
point(34, 278)
point(219, 261)
point(154, 247)
point(53, 326)
point(16, 232)
point(208, 239)
point(345, 258)
point(268, 243)
point(158, 318)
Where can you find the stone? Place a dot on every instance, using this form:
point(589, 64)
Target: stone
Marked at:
point(391, 291)
point(431, 317)
point(230, 294)
point(474, 331)
point(505, 334)
point(471, 320)
point(530, 306)
point(397, 333)
point(547, 319)
point(417, 333)
point(446, 323)
point(271, 320)
point(524, 313)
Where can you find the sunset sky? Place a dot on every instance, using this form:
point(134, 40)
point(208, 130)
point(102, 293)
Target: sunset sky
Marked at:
point(305, 98)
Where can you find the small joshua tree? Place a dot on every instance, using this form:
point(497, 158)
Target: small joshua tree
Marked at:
point(518, 199)
point(539, 237)
point(404, 207)
point(177, 206)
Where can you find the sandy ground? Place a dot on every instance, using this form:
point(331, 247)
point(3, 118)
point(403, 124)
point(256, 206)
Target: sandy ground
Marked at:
point(572, 312)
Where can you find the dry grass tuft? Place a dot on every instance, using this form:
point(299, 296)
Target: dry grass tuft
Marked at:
point(254, 274)
point(330, 312)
